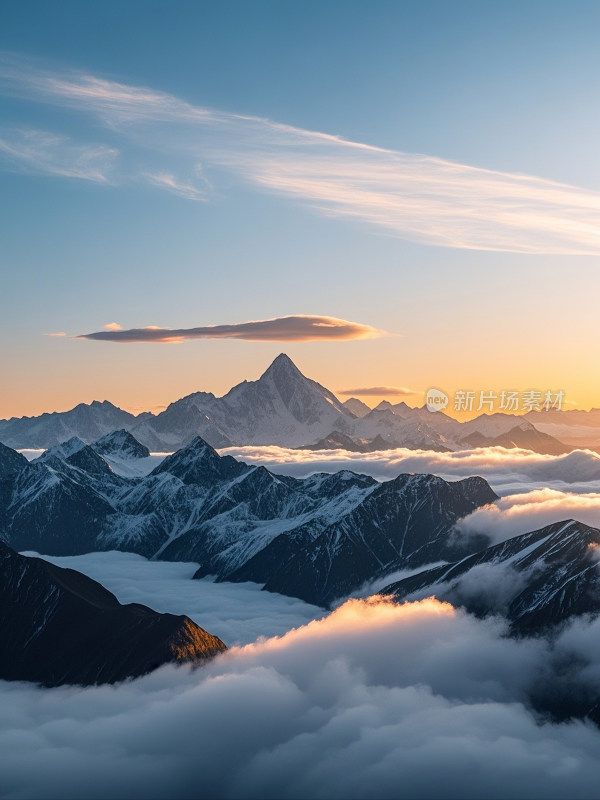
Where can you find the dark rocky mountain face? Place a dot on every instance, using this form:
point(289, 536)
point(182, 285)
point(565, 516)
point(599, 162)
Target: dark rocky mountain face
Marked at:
point(401, 523)
point(537, 580)
point(523, 436)
point(10, 461)
point(200, 464)
point(316, 538)
point(59, 627)
point(51, 511)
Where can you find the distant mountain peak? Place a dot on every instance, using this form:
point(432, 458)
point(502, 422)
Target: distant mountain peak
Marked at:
point(199, 463)
point(66, 449)
point(282, 367)
point(120, 443)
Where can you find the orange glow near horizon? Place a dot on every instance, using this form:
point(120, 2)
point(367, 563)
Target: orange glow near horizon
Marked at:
point(59, 373)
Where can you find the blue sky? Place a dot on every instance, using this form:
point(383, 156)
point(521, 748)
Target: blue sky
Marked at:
point(507, 87)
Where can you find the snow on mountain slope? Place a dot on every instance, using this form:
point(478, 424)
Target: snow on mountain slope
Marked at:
point(357, 407)
point(415, 434)
point(537, 580)
point(282, 407)
point(197, 414)
point(120, 444)
point(238, 522)
point(88, 422)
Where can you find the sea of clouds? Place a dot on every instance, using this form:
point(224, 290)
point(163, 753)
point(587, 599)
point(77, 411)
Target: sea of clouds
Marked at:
point(507, 470)
point(238, 613)
point(375, 700)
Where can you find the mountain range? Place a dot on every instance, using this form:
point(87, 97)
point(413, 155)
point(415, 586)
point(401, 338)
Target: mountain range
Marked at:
point(285, 408)
point(316, 538)
point(319, 538)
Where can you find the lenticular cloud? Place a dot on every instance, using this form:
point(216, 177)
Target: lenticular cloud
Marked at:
point(298, 328)
point(376, 700)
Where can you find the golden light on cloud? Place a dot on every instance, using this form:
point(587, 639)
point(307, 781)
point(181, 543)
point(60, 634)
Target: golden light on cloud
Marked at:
point(297, 328)
point(113, 326)
point(370, 613)
point(57, 333)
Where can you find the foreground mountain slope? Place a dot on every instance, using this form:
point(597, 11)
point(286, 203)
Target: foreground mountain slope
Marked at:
point(536, 580)
point(10, 461)
point(59, 626)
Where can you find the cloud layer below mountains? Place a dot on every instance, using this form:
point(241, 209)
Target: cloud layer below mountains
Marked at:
point(521, 513)
point(536, 490)
point(507, 470)
point(238, 613)
point(376, 700)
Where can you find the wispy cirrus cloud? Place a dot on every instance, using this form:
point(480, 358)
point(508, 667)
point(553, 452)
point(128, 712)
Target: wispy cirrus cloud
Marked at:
point(299, 328)
point(376, 391)
point(186, 189)
point(45, 153)
point(417, 197)
point(56, 333)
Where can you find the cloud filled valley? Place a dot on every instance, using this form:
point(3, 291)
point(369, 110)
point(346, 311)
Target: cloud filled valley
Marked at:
point(375, 700)
point(300, 429)
point(429, 628)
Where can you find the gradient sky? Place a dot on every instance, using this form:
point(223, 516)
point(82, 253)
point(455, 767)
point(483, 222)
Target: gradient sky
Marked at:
point(173, 165)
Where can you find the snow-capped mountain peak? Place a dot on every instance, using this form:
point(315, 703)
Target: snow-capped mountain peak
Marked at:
point(64, 450)
point(120, 444)
point(282, 407)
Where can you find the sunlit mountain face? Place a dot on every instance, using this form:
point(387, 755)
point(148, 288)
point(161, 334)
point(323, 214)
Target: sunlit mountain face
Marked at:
point(299, 417)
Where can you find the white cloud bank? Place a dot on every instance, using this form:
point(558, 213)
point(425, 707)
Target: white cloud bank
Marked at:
point(417, 197)
point(507, 470)
point(238, 613)
point(376, 700)
point(521, 513)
